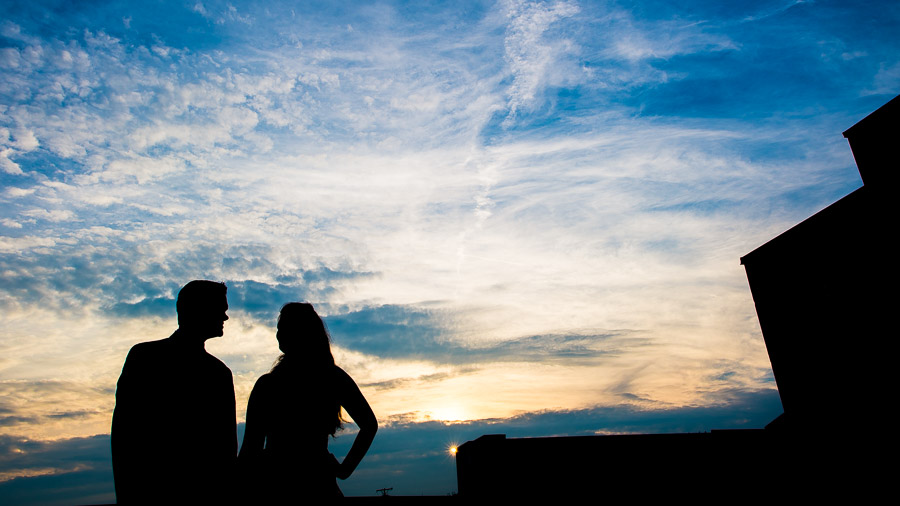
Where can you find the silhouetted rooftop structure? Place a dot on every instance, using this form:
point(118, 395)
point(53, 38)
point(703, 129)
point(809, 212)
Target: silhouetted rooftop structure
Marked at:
point(819, 290)
point(709, 465)
point(822, 294)
point(874, 143)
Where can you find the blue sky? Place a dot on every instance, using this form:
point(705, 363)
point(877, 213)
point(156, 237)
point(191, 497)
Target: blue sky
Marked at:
point(520, 217)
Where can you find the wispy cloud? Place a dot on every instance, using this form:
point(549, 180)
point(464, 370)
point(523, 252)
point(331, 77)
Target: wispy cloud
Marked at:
point(532, 58)
point(545, 201)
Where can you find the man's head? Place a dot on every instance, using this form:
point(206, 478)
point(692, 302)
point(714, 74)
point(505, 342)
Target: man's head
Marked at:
point(201, 307)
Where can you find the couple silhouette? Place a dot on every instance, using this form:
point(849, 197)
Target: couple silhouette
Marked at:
point(174, 436)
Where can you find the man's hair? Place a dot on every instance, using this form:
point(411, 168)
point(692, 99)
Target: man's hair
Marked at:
point(197, 298)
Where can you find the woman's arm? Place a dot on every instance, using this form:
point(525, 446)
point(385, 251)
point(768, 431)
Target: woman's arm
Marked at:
point(254, 428)
point(353, 401)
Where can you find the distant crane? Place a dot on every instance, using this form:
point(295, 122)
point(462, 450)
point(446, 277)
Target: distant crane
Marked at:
point(384, 491)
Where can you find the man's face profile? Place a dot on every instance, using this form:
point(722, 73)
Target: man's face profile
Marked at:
point(202, 307)
point(216, 317)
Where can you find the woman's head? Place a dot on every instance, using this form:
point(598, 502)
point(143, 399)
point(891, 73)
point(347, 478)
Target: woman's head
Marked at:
point(302, 332)
point(302, 336)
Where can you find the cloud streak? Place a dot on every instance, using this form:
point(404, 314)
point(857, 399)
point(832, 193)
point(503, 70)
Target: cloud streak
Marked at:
point(499, 207)
point(408, 455)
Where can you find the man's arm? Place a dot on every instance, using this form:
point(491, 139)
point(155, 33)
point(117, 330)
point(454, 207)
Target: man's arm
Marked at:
point(125, 433)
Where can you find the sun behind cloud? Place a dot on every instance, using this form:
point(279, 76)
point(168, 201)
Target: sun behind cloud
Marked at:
point(506, 209)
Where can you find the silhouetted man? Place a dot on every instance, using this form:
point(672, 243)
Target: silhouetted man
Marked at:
point(173, 430)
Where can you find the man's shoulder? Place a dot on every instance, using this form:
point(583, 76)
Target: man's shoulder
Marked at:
point(148, 348)
point(217, 364)
point(153, 345)
point(143, 359)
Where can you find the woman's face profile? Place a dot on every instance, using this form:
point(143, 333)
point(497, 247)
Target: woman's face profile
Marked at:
point(286, 332)
point(280, 332)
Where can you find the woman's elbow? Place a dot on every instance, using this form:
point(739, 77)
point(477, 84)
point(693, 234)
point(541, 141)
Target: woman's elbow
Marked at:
point(369, 426)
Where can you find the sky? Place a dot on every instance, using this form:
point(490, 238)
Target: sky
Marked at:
point(516, 217)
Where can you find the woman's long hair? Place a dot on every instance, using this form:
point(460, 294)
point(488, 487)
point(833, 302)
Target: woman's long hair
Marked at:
point(306, 346)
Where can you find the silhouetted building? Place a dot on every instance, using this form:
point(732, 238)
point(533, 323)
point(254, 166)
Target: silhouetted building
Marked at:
point(702, 466)
point(822, 291)
point(823, 296)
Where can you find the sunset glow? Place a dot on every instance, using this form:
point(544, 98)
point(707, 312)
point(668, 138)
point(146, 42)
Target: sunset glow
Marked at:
point(516, 217)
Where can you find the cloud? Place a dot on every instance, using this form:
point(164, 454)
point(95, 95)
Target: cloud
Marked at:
point(142, 169)
point(17, 420)
point(221, 14)
point(56, 472)
point(532, 58)
point(51, 408)
point(9, 166)
point(887, 80)
point(410, 456)
point(420, 332)
point(413, 456)
point(19, 192)
point(263, 300)
point(25, 140)
point(54, 215)
point(160, 307)
point(776, 10)
point(526, 205)
point(100, 272)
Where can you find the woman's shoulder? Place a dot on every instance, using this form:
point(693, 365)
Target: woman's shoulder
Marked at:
point(340, 374)
point(264, 382)
point(343, 381)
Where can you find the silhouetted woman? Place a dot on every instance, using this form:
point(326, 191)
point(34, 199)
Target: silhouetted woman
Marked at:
point(292, 411)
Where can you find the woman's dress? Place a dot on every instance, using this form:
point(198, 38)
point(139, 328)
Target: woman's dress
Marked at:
point(290, 415)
